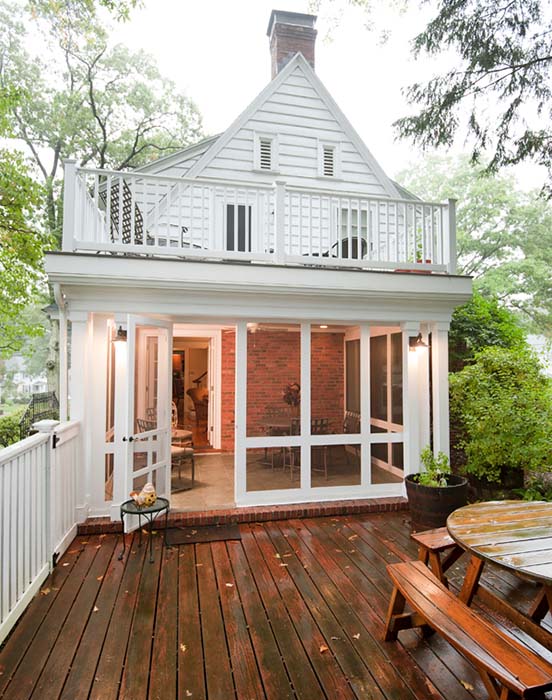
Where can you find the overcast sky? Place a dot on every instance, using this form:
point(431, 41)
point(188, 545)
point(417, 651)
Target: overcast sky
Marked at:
point(217, 51)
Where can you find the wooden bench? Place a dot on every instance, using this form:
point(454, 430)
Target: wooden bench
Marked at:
point(431, 544)
point(508, 669)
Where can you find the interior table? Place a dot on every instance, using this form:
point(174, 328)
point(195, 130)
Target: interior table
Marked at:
point(516, 535)
point(130, 507)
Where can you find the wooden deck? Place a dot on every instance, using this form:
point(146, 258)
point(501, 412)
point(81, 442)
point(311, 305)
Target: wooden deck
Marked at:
point(293, 610)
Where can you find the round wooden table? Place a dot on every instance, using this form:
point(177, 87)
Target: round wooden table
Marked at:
point(516, 535)
point(513, 534)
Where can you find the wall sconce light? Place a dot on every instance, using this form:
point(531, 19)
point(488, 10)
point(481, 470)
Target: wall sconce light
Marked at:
point(415, 342)
point(120, 336)
point(323, 326)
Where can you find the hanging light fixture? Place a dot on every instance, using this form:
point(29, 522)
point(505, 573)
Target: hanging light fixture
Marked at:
point(415, 342)
point(120, 336)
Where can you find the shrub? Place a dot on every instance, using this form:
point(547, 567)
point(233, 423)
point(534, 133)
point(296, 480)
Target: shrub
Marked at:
point(503, 404)
point(9, 428)
point(479, 324)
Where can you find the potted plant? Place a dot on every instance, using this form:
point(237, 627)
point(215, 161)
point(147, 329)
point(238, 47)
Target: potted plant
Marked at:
point(434, 492)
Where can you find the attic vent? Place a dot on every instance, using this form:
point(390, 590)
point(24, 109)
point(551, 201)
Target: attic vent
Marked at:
point(265, 154)
point(328, 161)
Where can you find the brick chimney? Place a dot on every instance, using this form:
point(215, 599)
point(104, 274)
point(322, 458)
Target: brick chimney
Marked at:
point(290, 32)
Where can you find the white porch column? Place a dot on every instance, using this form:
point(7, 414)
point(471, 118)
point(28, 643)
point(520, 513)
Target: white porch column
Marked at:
point(121, 488)
point(78, 405)
point(305, 404)
point(240, 427)
point(411, 416)
point(441, 425)
point(100, 358)
point(422, 359)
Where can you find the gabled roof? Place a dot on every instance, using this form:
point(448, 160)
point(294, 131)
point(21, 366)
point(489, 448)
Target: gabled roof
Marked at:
point(297, 61)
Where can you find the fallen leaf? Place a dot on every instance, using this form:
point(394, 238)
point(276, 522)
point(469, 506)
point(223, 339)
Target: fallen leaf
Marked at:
point(277, 556)
point(282, 564)
point(194, 532)
point(356, 636)
point(99, 578)
point(323, 648)
point(229, 585)
point(73, 551)
point(287, 555)
point(66, 563)
point(352, 537)
point(102, 536)
point(335, 639)
point(44, 591)
point(188, 694)
point(96, 608)
point(467, 686)
point(199, 564)
point(183, 648)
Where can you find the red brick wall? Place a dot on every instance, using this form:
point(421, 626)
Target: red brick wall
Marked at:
point(228, 389)
point(327, 375)
point(273, 362)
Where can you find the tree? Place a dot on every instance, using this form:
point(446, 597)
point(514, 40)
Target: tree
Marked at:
point(500, 91)
point(22, 243)
point(107, 107)
point(504, 236)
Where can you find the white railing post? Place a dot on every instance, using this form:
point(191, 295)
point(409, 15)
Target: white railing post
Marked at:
point(69, 204)
point(450, 241)
point(279, 221)
point(48, 427)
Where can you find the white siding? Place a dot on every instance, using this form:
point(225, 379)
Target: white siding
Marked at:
point(301, 119)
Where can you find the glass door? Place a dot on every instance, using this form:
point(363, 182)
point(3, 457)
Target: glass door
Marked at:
point(149, 405)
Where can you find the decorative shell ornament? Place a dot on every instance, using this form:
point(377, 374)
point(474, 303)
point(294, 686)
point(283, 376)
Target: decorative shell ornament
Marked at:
point(146, 497)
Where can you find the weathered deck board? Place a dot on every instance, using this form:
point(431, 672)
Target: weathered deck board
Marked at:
point(294, 610)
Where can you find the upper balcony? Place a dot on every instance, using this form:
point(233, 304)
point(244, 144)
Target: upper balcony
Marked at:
point(135, 213)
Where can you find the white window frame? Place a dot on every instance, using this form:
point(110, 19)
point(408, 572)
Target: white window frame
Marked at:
point(274, 163)
point(336, 147)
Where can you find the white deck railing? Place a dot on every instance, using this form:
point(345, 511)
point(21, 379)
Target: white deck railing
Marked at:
point(37, 514)
point(154, 215)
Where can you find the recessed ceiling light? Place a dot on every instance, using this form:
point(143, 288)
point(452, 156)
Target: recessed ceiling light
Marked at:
point(323, 326)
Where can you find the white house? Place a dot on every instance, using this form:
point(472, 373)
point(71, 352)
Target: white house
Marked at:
point(276, 260)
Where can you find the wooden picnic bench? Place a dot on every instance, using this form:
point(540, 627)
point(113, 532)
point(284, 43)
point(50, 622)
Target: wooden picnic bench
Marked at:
point(507, 668)
point(431, 545)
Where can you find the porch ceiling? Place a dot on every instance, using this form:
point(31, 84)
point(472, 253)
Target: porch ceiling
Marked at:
point(234, 290)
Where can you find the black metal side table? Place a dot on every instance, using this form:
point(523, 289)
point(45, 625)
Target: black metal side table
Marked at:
point(130, 507)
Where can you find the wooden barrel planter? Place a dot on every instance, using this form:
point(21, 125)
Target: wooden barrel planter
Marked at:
point(430, 506)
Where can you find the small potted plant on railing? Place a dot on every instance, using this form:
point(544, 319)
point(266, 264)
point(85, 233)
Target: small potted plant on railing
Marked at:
point(434, 492)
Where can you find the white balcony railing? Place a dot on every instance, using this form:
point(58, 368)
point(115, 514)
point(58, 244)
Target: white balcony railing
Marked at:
point(153, 215)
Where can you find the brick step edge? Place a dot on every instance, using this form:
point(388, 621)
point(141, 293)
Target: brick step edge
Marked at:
point(251, 514)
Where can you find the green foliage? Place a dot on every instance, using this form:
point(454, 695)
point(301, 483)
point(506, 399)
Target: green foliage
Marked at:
point(503, 403)
point(537, 489)
point(22, 245)
point(478, 324)
point(504, 236)
point(9, 428)
point(435, 469)
point(504, 55)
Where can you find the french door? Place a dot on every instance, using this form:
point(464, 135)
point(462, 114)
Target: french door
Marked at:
point(148, 405)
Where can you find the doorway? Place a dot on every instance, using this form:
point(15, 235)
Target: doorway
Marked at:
point(191, 381)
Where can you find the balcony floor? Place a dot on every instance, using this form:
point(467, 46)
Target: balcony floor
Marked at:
point(293, 610)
